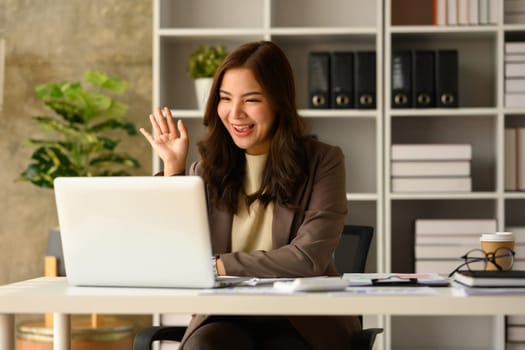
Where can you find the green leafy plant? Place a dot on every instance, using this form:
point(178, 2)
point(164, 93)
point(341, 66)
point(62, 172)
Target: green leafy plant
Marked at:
point(205, 60)
point(85, 121)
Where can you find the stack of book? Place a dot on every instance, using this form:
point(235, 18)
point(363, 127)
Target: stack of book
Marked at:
point(440, 243)
point(514, 74)
point(514, 158)
point(514, 12)
point(465, 12)
point(431, 168)
point(519, 246)
point(515, 332)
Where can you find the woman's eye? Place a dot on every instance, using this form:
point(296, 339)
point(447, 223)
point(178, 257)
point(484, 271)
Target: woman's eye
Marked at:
point(224, 98)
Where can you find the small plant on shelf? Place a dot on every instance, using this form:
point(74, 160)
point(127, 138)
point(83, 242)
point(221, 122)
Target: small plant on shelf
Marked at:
point(205, 60)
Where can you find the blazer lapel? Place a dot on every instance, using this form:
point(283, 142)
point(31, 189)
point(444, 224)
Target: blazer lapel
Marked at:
point(220, 228)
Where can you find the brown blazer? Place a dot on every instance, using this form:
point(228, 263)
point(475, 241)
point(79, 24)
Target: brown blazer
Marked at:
point(303, 241)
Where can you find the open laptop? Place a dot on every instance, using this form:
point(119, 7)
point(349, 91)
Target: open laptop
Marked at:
point(136, 232)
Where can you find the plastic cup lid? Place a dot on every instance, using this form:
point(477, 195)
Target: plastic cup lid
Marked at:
point(497, 237)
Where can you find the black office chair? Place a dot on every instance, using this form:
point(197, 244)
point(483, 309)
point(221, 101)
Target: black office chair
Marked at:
point(350, 256)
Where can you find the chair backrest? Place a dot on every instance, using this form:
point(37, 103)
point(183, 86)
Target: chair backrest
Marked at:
point(54, 249)
point(352, 251)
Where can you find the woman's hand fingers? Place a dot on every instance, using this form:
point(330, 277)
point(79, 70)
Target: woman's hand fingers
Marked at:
point(161, 121)
point(171, 124)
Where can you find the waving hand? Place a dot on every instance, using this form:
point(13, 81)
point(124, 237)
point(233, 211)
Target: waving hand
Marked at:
point(170, 145)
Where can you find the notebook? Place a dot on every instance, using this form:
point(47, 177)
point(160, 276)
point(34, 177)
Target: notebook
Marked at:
point(136, 232)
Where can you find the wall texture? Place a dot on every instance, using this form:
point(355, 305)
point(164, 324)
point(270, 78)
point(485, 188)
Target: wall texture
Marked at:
point(54, 40)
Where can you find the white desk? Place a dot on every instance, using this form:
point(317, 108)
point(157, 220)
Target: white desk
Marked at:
point(52, 294)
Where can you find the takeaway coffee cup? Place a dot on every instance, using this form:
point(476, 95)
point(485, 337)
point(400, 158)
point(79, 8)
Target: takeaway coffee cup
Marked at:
point(490, 242)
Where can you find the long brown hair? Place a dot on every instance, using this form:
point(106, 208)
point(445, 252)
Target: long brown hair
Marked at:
point(223, 163)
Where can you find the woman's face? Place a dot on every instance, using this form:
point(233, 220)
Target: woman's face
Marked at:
point(245, 111)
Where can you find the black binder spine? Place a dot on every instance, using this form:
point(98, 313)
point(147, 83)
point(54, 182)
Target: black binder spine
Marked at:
point(342, 80)
point(447, 94)
point(319, 80)
point(365, 79)
point(401, 79)
point(424, 79)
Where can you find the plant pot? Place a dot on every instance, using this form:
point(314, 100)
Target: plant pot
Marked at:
point(202, 91)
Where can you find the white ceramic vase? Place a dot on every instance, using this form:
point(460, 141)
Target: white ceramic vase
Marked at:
point(202, 91)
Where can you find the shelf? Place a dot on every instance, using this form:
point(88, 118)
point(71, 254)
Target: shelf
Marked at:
point(361, 197)
point(323, 31)
point(191, 33)
point(444, 196)
point(443, 112)
point(452, 30)
point(514, 195)
point(338, 113)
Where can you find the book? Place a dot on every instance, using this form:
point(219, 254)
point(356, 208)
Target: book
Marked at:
point(514, 18)
point(440, 266)
point(431, 152)
point(431, 184)
point(515, 85)
point(319, 80)
point(514, 69)
point(452, 12)
point(515, 346)
point(463, 12)
point(439, 12)
point(365, 79)
point(493, 11)
point(484, 11)
point(447, 72)
point(511, 6)
point(517, 320)
point(342, 80)
point(423, 79)
point(402, 79)
point(520, 159)
point(514, 100)
point(455, 226)
point(516, 333)
point(510, 160)
point(442, 251)
point(473, 12)
point(512, 278)
point(515, 57)
point(519, 233)
point(512, 47)
point(430, 168)
point(459, 239)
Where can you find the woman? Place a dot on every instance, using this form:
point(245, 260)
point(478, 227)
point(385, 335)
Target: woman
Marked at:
point(276, 197)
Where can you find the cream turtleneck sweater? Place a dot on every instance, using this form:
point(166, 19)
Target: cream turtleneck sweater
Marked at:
point(252, 230)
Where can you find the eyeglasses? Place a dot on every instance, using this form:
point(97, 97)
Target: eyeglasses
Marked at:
point(501, 259)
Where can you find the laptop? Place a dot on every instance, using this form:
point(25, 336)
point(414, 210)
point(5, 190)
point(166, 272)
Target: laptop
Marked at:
point(136, 232)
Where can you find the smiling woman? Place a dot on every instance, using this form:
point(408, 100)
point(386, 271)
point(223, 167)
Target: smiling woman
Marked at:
point(277, 198)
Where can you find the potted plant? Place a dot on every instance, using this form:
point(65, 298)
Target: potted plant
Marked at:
point(202, 65)
point(85, 122)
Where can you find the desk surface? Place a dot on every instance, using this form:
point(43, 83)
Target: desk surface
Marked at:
point(53, 294)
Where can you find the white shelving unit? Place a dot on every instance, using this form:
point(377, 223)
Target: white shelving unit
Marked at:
point(366, 135)
point(480, 120)
point(180, 26)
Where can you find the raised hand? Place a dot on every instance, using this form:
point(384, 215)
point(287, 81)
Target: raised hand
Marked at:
point(170, 145)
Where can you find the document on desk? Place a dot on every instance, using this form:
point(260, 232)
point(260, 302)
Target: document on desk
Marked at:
point(396, 279)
